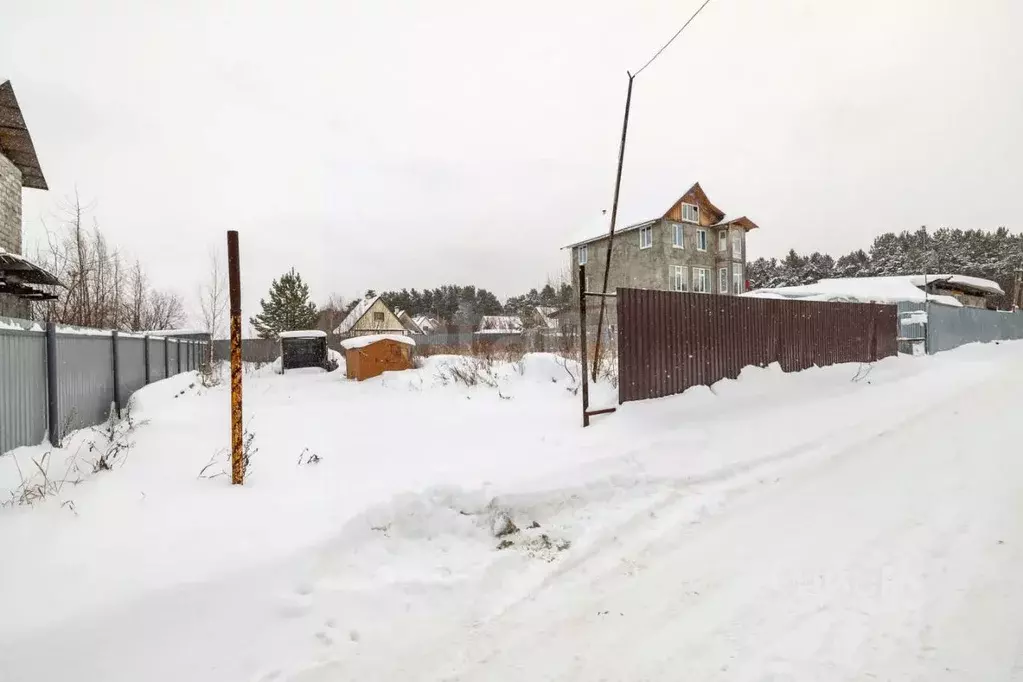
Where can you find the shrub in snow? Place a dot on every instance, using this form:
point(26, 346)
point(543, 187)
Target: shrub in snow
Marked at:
point(503, 525)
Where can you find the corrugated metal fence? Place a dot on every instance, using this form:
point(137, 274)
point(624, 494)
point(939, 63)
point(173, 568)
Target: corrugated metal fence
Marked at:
point(87, 380)
point(670, 341)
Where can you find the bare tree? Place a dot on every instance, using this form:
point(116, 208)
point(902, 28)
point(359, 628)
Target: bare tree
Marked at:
point(213, 297)
point(332, 313)
point(99, 290)
point(213, 302)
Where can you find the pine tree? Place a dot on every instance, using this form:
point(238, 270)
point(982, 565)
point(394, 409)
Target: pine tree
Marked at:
point(289, 307)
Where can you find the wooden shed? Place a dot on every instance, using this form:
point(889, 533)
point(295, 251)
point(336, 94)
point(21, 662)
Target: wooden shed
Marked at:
point(372, 355)
point(303, 348)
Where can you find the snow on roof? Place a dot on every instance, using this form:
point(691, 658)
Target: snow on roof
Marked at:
point(361, 308)
point(964, 282)
point(426, 323)
point(500, 324)
point(302, 334)
point(547, 315)
point(598, 230)
point(363, 341)
point(856, 290)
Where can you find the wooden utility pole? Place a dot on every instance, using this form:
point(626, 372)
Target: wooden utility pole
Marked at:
point(235, 285)
point(611, 232)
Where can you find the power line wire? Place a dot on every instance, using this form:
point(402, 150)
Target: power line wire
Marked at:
point(677, 34)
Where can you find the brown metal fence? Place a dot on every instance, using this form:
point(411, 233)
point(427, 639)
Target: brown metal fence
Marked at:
point(669, 341)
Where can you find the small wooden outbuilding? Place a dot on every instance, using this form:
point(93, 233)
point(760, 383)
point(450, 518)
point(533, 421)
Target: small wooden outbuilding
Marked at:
point(303, 348)
point(372, 355)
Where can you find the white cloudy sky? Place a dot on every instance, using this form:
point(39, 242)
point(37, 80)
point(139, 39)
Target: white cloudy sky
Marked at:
point(392, 143)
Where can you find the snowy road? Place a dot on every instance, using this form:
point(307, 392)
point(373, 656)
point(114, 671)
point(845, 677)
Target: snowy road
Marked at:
point(843, 530)
point(899, 557)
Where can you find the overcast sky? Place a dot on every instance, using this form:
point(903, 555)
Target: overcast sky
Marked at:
point(391, 143)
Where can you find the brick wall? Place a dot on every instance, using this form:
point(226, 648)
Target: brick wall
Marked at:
point(10, 206)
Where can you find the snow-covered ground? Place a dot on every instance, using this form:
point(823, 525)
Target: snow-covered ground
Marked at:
point(848, 522)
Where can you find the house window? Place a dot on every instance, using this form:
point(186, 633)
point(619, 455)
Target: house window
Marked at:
point(677, 236)
point(722, 241)
point(646, 237)
point(701, 240)
point(690, 213)
point(701, 280)
point(736, 279)
point(582, 255)
point(722, 280)
point(737, 245)
point(378, 317)
point(678, 277)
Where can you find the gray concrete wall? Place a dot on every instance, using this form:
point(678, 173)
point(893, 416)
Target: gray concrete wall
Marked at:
point(10, 229)
point(649, 268)
point(10, 206)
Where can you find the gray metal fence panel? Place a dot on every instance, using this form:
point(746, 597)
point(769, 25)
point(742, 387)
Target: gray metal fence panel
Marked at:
point(131, 370)
point(172, 357)
point(253, 350)
point(85, 380)
point(156, 357)
point(950, 328)
point(22, 388)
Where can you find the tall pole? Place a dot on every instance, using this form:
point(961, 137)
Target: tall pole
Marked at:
point(611, 233)
point(235, 285)
point(582, 344)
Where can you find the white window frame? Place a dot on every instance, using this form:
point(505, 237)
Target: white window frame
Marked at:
point(701, 240)
point(737, 283)
point(737, 245)
point(583, 254)
point(701, 280)
point(722, 241)
point(647, 231)
point(678, 278)
point(723, 280)
point(678, 236)
point(692, 215)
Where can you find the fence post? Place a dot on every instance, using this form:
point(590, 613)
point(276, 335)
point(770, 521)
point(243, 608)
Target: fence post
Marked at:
point(166, 357)
point(117, 372)
point(53, 417)
point(145, 355)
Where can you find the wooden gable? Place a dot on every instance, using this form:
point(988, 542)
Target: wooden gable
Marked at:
point(709, 213)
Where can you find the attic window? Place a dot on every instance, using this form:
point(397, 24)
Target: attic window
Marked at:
point(690, 213)
point(582, 254)
point(378, 317)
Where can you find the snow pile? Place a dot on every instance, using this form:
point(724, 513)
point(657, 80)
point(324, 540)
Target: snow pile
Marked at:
point(363, 341)
point(428, 525)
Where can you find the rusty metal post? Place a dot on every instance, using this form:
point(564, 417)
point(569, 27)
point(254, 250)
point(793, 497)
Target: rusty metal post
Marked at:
point(611, 233)
point(235, 287)
point(582, 344)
